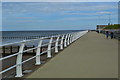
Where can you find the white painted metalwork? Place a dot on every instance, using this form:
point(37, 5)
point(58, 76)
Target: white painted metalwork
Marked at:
point(68, 40)
point(38, 53)
point(61, 43)
point(49, 48)
point(64, 39)
point(19, 61)
point(56, 44)
point(65, 42)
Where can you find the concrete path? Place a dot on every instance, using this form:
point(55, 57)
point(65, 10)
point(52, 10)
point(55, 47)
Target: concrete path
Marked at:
point(91, 56)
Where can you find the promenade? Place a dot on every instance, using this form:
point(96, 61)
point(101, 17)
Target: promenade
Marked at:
point(91, 56)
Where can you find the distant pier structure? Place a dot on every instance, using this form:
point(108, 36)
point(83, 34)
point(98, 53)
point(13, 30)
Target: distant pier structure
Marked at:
point(22, 37)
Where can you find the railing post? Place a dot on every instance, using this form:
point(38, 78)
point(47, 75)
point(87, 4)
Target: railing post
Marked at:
point(73, 37)
point(65, 42)
point(49, 48)
point(61, 43)
point(68, 41)
point(56, 44)
point(38, 62)
point(70, 38)
point(19, 61)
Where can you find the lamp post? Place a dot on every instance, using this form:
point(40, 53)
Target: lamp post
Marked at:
point(109, 23)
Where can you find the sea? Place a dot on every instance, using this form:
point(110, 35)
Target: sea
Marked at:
point(16, 36)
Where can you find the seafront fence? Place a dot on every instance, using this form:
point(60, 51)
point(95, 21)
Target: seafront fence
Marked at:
point(61, 41)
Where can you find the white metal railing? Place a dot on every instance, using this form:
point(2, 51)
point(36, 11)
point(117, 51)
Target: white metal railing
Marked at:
point(61, 41)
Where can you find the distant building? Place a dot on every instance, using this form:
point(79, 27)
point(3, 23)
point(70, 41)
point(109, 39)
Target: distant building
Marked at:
point(100, 27)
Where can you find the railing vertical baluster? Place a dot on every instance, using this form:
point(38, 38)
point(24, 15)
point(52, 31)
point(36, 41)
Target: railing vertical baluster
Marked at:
point(38, 62)
point(49, 48)
point(68, 40)
point(61, 43)
point(56, 44)
point(65, 42)
point(19, 61)
point(73, 37)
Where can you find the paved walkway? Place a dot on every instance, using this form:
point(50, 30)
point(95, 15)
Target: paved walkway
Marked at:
point(91, 56)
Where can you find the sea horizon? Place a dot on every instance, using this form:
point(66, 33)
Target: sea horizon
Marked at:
point(44, 30)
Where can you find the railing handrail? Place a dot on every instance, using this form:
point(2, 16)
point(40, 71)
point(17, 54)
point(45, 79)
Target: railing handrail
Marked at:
point(69, 38)
point(29, 40)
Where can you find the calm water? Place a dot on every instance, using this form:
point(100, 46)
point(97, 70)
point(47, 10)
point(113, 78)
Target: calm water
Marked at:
point(15, 36)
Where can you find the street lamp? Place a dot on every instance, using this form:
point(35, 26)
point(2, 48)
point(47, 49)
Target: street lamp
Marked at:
point(109, 19)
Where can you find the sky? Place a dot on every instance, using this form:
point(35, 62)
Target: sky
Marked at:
point(57, 15)
point(60, 0)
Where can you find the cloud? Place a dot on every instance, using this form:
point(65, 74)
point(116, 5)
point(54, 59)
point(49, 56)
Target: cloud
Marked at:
point(26, 20)
point(105, 12)
point(79, 13)
point(24, 17)
point(76, 19)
